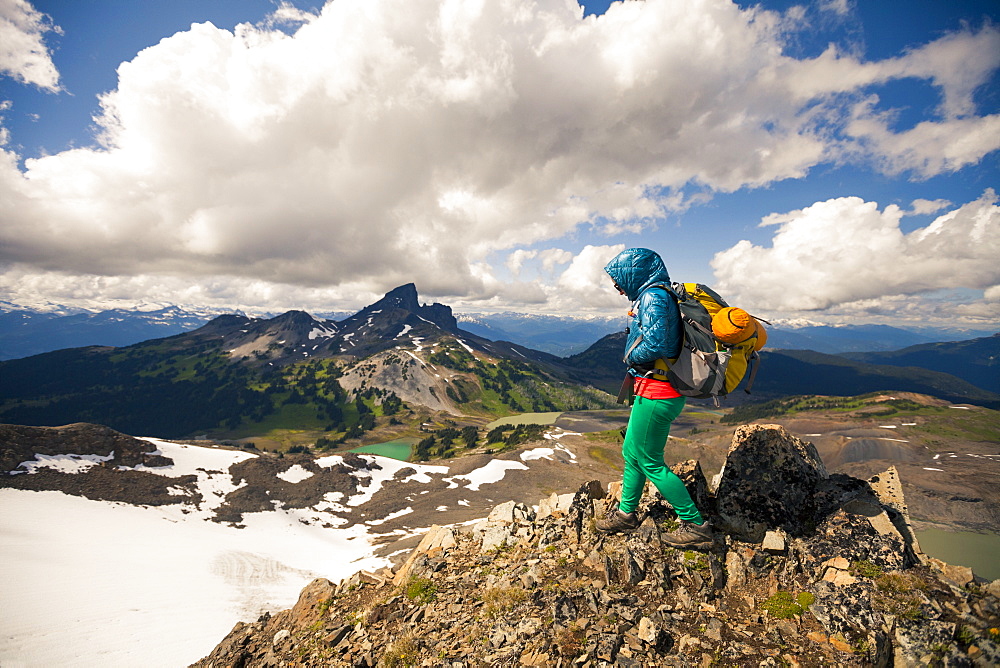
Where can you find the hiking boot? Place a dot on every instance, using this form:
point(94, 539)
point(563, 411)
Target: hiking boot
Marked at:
point(690, 535)
point(618, 521)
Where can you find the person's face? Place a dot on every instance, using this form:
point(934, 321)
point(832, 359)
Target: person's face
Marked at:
point(620, 291)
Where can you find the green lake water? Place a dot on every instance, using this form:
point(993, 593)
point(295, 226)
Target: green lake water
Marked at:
point(525, 418)
point(978, 551)
point(399, 449)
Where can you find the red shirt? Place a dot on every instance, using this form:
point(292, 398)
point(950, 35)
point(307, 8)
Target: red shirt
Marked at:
point(651, 388)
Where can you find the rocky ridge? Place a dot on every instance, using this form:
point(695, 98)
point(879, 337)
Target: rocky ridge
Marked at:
point(808, 569)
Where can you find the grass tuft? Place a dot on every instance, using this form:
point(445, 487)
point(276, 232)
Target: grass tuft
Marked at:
point(420, 590)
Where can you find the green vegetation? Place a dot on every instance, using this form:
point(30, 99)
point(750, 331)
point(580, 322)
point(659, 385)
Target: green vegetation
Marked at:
point(610, 437)
point(510, 386)
point(521, 433)
point(420, 590)
point(446, 442)
point(180, 386)
point(695, 561)
point(966, 635)
point(605, 456)
point(866, 569)
point(899, 594)
point(784, 606)
point(981, 424)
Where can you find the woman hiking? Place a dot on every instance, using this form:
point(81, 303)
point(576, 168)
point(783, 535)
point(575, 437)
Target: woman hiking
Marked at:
point(655, 332)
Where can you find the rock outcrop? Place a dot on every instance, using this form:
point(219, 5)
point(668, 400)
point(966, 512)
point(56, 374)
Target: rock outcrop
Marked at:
point(19, 443)
point(108, 449)
point(809, 570)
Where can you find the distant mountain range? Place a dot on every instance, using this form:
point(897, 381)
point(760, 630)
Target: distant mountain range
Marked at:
point(26, 331)
point(552, 334)
point(977, 361)
point(568, 336)
point(378, 372)
point(854, 338)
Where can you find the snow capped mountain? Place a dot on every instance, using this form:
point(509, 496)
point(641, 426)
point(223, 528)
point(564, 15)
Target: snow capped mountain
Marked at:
point(25, 332)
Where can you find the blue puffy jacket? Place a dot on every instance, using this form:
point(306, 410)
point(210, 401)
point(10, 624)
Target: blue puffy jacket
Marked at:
point(657, 318)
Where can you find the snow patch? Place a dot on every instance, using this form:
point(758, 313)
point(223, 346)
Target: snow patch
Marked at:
point(537, 453)
point(160, 588)
point(321, 333)
point(208, 465)
point(295, 474)
point(371, 480)
point(415, 357)
point(492, 472)
point(62, 463)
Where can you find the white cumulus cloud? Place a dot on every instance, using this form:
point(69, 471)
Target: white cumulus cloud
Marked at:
point(389, 141)
point(846, 250)
point(23, 52)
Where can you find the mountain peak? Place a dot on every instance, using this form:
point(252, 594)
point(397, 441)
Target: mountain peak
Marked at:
point(405, 297)
point(294, 317)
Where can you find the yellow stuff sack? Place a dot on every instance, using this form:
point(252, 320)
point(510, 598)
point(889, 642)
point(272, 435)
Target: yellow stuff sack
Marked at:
point(733, 325)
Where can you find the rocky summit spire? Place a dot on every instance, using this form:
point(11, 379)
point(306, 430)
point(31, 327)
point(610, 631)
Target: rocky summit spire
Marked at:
point(405, 297)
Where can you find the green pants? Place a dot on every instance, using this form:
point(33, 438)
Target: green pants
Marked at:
point(645, 438)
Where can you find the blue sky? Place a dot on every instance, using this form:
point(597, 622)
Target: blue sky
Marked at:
point(831, 160)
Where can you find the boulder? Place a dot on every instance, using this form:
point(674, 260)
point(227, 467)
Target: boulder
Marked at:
point(768, 482)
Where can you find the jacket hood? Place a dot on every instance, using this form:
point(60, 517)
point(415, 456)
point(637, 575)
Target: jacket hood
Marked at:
point(635, 269)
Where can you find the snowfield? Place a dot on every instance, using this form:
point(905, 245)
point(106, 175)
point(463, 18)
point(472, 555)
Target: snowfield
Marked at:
point(96, 583)
point(90, 583)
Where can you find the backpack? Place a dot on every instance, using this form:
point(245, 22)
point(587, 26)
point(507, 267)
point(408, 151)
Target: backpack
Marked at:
point(720, 344)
